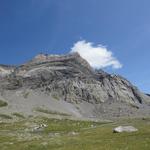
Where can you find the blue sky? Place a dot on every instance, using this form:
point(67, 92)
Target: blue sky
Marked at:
point(28, 27)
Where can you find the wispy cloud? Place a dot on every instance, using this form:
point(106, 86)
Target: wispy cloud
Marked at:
point(97, 56)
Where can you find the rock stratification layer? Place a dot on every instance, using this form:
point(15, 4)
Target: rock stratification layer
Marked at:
point(70, 79)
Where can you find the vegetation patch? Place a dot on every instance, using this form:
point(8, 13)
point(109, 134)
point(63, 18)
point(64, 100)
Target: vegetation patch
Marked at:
point(26, 94)
point(67, 125)
point(55, 96)
point(18, 115)
point(3, 103)
point(134, 106)
point(46, 111)
point(60, 134)
point(4, 116)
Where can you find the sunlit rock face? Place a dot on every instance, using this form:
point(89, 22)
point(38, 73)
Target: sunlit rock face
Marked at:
point(70, 78)
point(5, 70)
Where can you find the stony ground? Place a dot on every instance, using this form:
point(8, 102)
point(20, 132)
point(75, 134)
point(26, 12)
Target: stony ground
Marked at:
point(55, 134)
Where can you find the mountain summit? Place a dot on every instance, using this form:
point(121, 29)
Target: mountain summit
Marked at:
point(67, 84)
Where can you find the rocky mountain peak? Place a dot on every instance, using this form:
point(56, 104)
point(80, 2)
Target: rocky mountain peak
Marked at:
point(49, 58)
point(70, 78)
point(73, 60)
point(41, 57)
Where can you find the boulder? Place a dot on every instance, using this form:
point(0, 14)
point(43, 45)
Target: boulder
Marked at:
point(73, 133)
point(120, 129)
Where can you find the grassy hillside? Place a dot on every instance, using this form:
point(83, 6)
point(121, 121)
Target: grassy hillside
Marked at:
point(73, 135)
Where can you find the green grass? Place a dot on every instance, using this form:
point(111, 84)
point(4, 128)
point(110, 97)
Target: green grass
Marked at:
point(100, 137)
point(3, 103)
point(66, 125)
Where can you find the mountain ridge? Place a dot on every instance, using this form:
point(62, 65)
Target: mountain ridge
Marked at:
point(70, 80)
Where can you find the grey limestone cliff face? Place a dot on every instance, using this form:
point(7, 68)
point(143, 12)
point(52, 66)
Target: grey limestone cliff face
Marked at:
point(5, 70)
point(71, 79)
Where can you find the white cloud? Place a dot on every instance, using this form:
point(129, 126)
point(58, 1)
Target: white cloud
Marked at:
point(97, 56)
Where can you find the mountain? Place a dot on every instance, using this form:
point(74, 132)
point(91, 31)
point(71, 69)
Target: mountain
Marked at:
point(66, 85)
